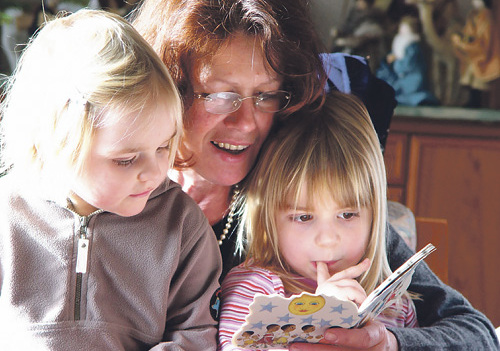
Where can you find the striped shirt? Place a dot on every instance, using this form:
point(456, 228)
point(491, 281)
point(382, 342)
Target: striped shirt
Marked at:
point(242, 283)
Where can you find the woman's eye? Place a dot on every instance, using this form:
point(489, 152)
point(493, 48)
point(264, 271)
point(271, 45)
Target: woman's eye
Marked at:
point(127, 162)
point(302, 218)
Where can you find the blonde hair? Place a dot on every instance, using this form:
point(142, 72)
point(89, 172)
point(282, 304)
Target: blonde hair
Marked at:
point(336, 152)
point(73, 71)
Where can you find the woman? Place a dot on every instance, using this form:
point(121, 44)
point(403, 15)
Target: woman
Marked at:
point(239, 65)
point(214, 47)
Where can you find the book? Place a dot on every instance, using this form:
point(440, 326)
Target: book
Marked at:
point(274, 321)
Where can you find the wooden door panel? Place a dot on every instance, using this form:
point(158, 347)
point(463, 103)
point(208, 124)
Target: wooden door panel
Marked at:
point(458, 179)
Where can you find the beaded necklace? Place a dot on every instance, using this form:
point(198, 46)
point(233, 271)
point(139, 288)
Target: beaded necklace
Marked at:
point(229, 221)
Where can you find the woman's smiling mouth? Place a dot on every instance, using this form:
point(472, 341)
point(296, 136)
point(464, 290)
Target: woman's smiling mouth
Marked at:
point(233, 149)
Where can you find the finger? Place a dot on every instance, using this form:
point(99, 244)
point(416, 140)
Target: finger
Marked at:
point(352, 272)
point(369, 336)
point(311, 347)
point(349, 290)
point(322, 272)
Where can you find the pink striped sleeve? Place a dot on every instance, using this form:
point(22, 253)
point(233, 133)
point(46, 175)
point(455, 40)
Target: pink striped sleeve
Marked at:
point(399, 315)
point(237, 291)
point(411, 315)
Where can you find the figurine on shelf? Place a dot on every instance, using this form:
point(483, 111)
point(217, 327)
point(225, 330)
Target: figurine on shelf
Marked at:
point(363, 32)
point(478, 49)
point(405, 68)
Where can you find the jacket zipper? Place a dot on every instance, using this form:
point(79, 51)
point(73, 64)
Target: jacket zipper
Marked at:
point(81, 263)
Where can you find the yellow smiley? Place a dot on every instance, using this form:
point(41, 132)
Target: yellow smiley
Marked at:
point(306, 304)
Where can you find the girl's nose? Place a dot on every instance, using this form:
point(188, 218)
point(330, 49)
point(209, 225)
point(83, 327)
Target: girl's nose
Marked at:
point(326, 237)
point(151, 171)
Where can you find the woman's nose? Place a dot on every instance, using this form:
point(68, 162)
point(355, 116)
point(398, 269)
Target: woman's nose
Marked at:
point(244, 117)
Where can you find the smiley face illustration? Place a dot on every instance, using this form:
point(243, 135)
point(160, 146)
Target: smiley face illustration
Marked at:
point(306, 304)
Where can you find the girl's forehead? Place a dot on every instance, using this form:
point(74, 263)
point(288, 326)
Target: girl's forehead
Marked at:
point(140, 117)
point(301, 197)
point(120, 126)
point(317, 195)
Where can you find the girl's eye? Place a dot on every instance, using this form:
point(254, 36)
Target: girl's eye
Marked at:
point(127, 162)
point(302, 218)
point(349, 215)
point(163, 148)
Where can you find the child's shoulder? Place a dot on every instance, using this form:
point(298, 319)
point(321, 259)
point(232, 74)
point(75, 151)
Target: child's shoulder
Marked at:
point(257, 277)
point(251, 269)
point(9, 187)
point(170, 199)
point(18, 199)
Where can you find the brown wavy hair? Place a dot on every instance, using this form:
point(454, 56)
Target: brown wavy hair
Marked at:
point(187, 33)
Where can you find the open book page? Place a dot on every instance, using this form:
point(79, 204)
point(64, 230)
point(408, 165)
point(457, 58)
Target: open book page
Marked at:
point(275, 321)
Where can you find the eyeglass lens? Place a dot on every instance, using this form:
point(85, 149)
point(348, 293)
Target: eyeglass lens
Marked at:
point(227, 102)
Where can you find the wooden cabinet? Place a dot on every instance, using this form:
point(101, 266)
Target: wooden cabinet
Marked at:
point(451, 169)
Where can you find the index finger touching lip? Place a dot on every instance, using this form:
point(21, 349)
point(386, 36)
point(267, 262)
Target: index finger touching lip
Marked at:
point(354, 271)
point(322, 272)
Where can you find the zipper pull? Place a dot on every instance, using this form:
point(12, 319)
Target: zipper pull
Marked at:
point(82, 255)
point(83, 248)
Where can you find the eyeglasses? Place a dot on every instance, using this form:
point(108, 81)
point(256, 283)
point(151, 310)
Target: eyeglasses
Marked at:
point(227, 102)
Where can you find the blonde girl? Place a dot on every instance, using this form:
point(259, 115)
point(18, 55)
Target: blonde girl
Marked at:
point(98, 249)
point(315, 215)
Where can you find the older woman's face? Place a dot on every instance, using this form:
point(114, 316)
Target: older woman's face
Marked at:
point(224, 147)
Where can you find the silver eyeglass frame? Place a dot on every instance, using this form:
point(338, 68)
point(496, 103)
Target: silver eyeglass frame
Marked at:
point(238, 100)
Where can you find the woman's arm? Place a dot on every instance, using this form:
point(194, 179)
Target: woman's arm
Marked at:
point(446, 318)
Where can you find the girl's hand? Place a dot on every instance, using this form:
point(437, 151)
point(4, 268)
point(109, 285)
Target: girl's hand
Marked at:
point(343, 285)
point(373, 336)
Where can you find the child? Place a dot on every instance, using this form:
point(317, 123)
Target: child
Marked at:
point(315, 216)
point(98, 249)
point(405, 68)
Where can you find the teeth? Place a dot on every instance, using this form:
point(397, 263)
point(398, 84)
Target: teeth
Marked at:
point(232, 147)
